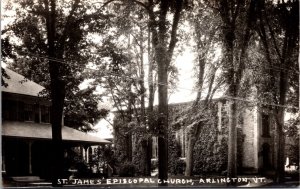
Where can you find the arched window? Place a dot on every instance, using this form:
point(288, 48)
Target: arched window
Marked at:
point(265, 125)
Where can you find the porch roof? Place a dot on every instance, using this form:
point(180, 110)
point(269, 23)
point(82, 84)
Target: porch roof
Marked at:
point(42, 131)
point(20, 85)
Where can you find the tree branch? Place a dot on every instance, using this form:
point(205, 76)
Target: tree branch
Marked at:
point(251, 17)
point(152, 24)
point(108, 121)
point(68, 20)
point(236, 11)
point(142, 4)
point(272, 34)
point(106, 3)
point(173, 40)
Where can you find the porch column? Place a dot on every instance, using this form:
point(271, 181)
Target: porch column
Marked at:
point(82, 152)
point(87, 154)
point(40, 113)
point(30, 157)
point(63, 119)
point(3, 170)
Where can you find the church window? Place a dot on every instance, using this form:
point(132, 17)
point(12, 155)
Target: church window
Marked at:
point(265, 125)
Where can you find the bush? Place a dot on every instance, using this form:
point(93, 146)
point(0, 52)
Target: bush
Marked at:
point(127, 170)
point(82, 169)
point(180, 167)
point(174, 154)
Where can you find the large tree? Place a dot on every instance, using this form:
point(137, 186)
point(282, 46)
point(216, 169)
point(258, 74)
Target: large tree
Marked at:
point(127, 83)
point(54, 35)
point(164, 41)
point(205, 32)
point(238, 18)
point(279, 36)
point(163, 31)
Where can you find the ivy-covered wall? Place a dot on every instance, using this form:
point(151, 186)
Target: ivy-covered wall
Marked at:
point(210, 151)
point(210, 154)
point(176, 112)
point(130, 146)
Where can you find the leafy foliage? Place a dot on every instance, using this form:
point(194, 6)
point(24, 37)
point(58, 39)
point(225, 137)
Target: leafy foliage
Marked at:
point(173, 153)
point(72, 52)
point(127, 170)
point(74, 160)
point(6, 52)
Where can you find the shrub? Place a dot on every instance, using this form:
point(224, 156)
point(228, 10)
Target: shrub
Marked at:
point(180, 167)
point(82, 169)
point(174, 154)
point(127, 170)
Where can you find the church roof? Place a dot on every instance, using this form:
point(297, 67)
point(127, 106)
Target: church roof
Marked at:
point(20, 85)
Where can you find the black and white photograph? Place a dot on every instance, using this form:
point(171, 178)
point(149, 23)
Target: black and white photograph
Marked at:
point(150, 93)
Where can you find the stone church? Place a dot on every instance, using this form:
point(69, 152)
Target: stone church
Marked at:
point(256, 148)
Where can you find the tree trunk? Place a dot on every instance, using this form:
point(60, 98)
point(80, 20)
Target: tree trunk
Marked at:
point(235, 78)
point(283, 86)
point(145, 142)
point(129, 147)
point(150, 103)
point(130, 112)
point(290, 43)
point(280, 173)
point(232, 109)
point(162, 61)
point(190, 156)
point(57, 97)
point(232, 140)
point(195, 131)
point(201, 62)
point(162, 118)
point(232, 127)
point(150, 77)
point(163, 54)
point(291, 36)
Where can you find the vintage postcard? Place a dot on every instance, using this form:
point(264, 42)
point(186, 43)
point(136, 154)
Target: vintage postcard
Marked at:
point(150, 93)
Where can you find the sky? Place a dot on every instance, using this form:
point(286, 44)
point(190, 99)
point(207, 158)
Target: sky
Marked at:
point(184, 92)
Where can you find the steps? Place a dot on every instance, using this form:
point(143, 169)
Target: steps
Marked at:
point(27, 179)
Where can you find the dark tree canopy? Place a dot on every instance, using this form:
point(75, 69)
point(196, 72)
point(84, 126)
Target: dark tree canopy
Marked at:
point(75, 23)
